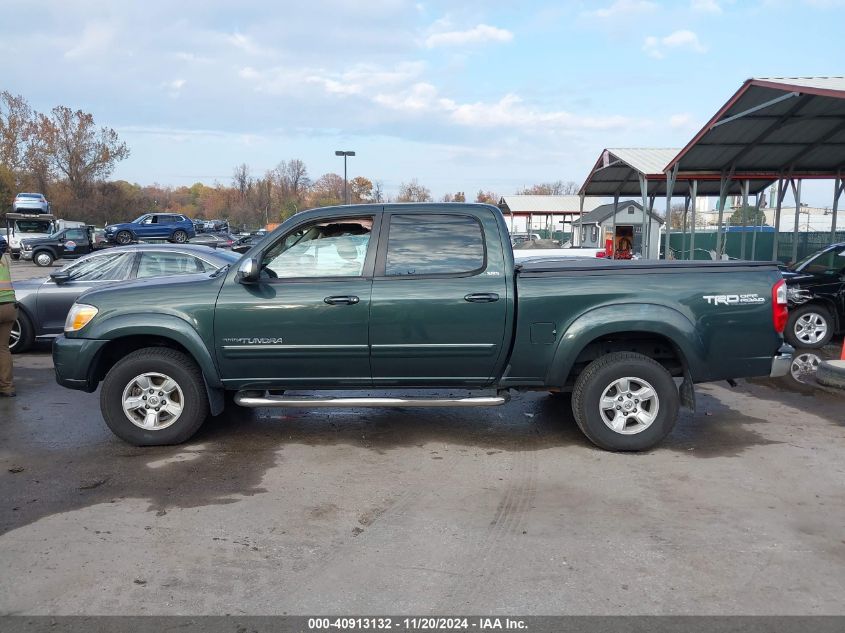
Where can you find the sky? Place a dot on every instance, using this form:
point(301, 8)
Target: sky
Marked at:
point(462, 96)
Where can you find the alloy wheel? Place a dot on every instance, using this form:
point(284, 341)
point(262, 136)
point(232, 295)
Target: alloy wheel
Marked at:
point(810, 328)
point(629, 405)
point(153, 401)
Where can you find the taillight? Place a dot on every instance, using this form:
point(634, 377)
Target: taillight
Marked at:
point(780, 313)
point(601, 254)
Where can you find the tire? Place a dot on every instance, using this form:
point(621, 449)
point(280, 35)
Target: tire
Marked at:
point(179, 237)
point(809, 327)
point(123, 238)
point(153, 367)
point(22, 335)
point(831, 373)
point(43, 258)
point(649, 421)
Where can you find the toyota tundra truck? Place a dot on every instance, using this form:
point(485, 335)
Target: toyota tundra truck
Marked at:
point(412, 301)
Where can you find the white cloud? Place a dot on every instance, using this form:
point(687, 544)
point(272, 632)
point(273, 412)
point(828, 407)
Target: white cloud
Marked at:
point(683, 39)
point(680, 121)
point(706, 6)
point(96, 38)
point(622, 8)
point(480, 34)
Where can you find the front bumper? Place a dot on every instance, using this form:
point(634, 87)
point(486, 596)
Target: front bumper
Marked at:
point(782, 361)
point(27, 255)
point(74, 360)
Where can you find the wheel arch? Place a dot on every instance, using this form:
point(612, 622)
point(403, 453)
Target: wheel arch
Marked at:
point(125, 335)
point(656, 331)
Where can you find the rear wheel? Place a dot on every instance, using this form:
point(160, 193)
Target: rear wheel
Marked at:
point(123, 237)
point(154, 396)
point(625, 402)
point(180, 237)
point(22, 334)
point(810, 326)
point(43, 258)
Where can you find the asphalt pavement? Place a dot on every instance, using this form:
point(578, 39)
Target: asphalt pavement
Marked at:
point(503, 510)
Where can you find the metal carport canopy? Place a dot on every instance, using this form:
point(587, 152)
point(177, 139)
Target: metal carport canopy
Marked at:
point(772, 126)
point(618, 172)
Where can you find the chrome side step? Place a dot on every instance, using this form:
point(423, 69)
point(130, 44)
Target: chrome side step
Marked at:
point(248, 399)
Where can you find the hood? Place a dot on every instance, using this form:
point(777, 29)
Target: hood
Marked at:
point(38, 239)
point(120, 225)
point(158, 286)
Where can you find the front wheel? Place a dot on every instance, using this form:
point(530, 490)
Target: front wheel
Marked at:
point(180, 237)
point(21, 336)
point(123, 238)
point(154, 396)
point(42, 258)
point(809, 326)
point(625, 402)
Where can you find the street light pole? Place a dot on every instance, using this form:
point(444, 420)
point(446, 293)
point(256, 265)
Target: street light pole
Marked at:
point(345, 153)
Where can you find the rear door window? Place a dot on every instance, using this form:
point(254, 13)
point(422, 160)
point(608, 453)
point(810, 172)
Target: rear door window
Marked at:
point(106, 267)
point(434, 245)
point(155, 264)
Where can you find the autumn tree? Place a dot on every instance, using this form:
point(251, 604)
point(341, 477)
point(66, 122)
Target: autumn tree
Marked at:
point(557, 188)
point(456, 197)
point(71, 145)
point(413, 192)
point(487, 197)
point(326, 191)
point(360, 190)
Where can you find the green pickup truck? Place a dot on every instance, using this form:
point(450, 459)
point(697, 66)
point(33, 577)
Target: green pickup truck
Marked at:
point(400, 299)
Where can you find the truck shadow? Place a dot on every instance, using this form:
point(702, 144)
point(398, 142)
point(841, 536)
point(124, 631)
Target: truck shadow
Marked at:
point(59, 462)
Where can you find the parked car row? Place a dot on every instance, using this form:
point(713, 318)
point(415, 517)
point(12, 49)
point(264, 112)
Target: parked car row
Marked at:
point(44, 303)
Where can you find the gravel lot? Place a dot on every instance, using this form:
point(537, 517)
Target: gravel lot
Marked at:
point(505, 510)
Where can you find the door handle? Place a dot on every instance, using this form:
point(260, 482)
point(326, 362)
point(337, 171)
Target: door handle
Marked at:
point(346, 300)
point(481, 297)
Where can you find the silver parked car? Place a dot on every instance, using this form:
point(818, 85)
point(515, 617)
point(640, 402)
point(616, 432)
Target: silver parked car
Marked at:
point(30, 203)
point(43, 304)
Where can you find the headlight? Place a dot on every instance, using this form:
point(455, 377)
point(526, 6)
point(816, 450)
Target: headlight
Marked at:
point(79, 316)
point(26, 247)
point(798, 295)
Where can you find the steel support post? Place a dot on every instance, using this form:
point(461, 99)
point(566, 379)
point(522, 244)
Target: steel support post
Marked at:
point(615, 212)
point(838, 188)
point(724, 185)
point(796, 192)
point(671, 175)
point(693, 202)
point(780, 196)
point(754, 229)
point(684, 227)
point(644, 192)
point(745, 185)
point(650, 210)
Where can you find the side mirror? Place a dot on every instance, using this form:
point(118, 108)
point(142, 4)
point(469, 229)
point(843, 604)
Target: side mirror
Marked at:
point(248, 271)
point(60, 276)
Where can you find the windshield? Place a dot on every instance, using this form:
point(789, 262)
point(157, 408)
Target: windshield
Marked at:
point(37, 196)
point(139, 218)
point(33, 226)
point(830, 261)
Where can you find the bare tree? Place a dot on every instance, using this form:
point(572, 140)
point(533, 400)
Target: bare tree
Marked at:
point(557, 188)
point(71, 145)
point(16, 128)
point(413, 192)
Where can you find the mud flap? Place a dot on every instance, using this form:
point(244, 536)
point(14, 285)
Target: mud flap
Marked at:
point(687, 392)
point(216, 399)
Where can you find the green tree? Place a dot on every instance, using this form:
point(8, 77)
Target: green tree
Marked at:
point(747, 216)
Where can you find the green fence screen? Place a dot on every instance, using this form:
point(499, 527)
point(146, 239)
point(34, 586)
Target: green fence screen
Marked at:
point(748, 245)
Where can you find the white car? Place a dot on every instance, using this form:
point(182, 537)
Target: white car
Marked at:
point(30, 203)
